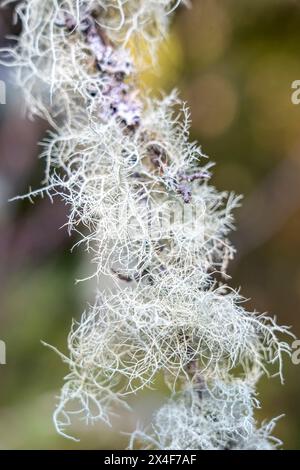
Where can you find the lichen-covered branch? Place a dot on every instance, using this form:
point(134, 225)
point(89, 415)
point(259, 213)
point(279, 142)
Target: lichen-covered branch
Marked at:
point(138, 193)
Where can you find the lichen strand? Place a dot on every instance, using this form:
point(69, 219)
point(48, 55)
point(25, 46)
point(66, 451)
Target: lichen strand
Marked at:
point(139, 196)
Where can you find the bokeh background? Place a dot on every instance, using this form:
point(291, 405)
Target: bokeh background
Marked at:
point(234, 62)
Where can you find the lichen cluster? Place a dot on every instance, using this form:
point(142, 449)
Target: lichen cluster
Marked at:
point(138, 194)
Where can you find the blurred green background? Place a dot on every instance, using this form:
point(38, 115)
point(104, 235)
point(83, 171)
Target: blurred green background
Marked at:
point(234, 62)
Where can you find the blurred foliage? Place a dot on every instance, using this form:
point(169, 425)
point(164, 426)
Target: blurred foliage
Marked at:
point(234, 63)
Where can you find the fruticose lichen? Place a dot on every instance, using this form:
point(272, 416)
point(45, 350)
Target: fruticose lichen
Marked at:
point(138, 194)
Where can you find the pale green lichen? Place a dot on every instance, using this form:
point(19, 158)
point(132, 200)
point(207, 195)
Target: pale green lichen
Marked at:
point(138, 194)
